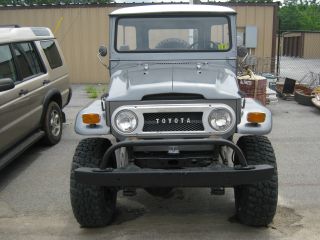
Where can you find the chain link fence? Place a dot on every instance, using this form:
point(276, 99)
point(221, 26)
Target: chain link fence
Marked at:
point(261, 66)
point(299, 69)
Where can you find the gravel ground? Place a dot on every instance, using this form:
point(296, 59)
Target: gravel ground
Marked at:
point(34, 192)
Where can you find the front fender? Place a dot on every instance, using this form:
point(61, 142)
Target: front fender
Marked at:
point(244, 127)
point(99, 129)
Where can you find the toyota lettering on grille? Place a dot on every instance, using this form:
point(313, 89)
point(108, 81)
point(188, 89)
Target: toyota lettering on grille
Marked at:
point(172, 120)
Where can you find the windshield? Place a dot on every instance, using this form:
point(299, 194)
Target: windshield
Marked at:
point(167, 34)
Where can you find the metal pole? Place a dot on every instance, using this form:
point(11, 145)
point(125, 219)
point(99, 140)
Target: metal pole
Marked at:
point(191, 30)
point(278, 50)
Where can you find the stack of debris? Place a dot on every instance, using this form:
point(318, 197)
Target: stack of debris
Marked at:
point(302, 91)
point(258, 87)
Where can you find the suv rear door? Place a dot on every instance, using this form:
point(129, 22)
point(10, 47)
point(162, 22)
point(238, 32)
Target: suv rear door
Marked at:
point(59, 78)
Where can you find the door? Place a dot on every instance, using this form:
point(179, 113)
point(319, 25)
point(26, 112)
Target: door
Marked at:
point(10, 104)
point(20, 112)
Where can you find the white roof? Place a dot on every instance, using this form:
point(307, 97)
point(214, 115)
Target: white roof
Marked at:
point(172, 8)
point(12, 34)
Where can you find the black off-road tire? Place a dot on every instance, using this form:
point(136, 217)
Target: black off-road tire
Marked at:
point(160, 191)
point(256, 204)
point(52, 136)
point(93, 206)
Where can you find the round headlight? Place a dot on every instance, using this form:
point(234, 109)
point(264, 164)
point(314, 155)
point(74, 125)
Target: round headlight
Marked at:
point(220, 119)
point(126, 121)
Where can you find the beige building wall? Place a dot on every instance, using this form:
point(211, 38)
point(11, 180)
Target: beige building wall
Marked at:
point(261, 17)
point(309, 44)
point(80, 31)
point(311, 47)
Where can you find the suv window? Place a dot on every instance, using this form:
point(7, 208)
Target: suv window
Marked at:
point(28, 61)
point(7, 68)
point(50, 49)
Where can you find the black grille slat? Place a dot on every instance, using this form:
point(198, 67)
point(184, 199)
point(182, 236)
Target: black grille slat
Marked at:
point(173, 122)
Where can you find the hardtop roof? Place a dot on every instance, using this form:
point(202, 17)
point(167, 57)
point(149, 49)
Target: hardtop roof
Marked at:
point(18, 34)
point(172, 8)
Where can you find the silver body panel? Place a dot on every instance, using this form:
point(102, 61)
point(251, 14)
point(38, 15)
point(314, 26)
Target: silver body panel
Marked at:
point(244, 127)
point(98, 129)
point(211, 79)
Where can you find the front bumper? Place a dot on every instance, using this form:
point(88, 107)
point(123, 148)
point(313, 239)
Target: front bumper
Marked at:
point(198, 177)
point(213, 175)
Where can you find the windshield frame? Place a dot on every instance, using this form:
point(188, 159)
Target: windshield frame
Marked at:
point(227, 16)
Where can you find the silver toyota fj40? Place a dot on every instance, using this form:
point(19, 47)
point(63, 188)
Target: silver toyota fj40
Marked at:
point(170, 117)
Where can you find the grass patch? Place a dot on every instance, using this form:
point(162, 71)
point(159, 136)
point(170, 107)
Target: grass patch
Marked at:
point(89, 89)
point(95, 91)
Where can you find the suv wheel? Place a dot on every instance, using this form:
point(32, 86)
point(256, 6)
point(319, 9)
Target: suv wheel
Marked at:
point(93, 206)
point(53, 124)
point(256, 204)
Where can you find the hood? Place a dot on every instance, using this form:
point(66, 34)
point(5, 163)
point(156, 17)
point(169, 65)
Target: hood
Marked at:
point(211, 80)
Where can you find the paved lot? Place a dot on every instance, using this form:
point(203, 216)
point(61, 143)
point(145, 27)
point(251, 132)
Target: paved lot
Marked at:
point(34, 192)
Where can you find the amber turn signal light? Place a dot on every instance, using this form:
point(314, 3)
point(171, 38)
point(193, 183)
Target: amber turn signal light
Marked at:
point(90, 118)
point(256, 117)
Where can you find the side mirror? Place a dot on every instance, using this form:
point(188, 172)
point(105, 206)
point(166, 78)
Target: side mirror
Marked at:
point(242, 51)
point(6, 84)
point(103, 51)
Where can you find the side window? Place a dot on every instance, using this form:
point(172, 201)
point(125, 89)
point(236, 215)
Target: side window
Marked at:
point(7, 68)
point(126, 39)
point(50, 49)
point(220, 35)
point(28, 61)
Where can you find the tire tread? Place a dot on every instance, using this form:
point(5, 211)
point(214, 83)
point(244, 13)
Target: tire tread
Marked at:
point(93, 206)
point(256, 204)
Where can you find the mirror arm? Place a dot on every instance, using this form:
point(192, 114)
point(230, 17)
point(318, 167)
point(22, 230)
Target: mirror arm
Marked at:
point(100, 60)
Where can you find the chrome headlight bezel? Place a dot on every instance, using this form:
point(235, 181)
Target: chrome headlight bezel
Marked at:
point(230, 119)
point(131, 115)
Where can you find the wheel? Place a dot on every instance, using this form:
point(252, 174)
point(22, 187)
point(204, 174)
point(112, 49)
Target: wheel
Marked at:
point(256, 204)
point(159, 192)
point(93, 206)
point(52, 124)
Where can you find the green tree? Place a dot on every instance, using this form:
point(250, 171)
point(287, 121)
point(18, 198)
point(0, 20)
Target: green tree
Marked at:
point(302, 15)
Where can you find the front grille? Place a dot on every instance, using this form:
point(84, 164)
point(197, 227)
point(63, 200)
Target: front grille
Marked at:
point(173, 122)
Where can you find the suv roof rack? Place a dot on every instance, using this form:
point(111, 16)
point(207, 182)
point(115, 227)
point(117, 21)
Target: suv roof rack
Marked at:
point(10, 26)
